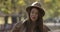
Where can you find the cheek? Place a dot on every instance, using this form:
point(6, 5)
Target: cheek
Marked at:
point(30, 16)
point(36, 16)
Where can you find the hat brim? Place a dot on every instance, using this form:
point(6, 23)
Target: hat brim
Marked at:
point(41, 11)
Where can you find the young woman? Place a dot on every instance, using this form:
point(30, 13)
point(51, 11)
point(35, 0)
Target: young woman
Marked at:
point(35, 21)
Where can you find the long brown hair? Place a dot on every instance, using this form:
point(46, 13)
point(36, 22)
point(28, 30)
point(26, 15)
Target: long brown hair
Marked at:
point(39, 23)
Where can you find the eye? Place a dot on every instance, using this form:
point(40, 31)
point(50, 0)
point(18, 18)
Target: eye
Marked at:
point(32, 11)
point(36, 13)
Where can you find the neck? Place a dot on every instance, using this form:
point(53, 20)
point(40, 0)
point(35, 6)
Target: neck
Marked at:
point(34, 22)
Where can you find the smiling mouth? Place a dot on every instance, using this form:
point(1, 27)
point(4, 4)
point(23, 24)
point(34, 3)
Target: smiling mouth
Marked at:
point(33, 17)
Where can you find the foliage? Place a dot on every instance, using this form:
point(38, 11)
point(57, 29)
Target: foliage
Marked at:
point(52, 7)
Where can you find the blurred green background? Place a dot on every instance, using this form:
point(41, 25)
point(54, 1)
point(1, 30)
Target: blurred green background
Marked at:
point(10, 7)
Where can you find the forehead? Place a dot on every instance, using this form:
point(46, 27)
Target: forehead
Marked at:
point(34, 9)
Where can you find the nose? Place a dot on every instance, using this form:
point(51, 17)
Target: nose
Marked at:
point(34, 14)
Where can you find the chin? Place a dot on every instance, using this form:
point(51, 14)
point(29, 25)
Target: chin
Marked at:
point(33, 20)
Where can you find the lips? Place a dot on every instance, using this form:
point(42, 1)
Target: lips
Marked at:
point(33, 17)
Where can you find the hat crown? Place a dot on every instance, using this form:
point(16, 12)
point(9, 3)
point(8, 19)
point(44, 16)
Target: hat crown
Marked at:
point(37, 4)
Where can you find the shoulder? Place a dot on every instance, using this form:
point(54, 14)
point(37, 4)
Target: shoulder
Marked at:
point(18, 26)
point(45, 28)
point(21, 23)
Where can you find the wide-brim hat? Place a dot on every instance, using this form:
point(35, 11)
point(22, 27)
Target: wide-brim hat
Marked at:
point(38, 6)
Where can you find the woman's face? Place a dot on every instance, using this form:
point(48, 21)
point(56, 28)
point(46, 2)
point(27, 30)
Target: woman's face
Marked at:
point(34, 14)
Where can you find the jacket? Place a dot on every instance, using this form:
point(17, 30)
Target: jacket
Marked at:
point(20, 27)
